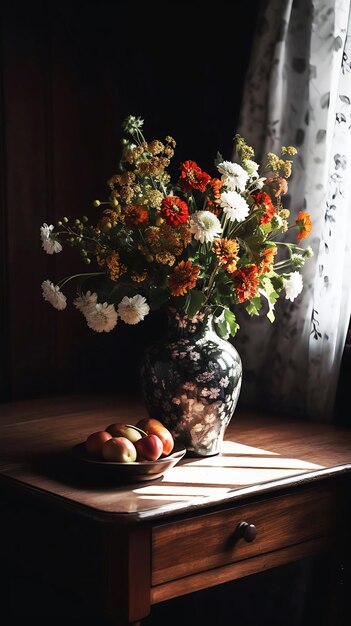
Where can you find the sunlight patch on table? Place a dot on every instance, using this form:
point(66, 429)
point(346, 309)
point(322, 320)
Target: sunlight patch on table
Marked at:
point(233, 476)
point(233, 447)
point(175, 492)
point(277, 462)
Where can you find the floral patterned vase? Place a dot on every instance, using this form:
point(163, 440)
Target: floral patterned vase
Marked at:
point(191, 382)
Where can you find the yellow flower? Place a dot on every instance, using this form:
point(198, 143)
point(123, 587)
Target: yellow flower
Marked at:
point(155, 146)
point(171, 141)
point(166, 258)
point(126, 178)
point(127, 193)
point(134, 154)
point(287, 168)
point(153, 198)
point(139, 277)
point(289, 150)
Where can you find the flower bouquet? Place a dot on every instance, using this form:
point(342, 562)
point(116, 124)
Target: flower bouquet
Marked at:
point(201, 243)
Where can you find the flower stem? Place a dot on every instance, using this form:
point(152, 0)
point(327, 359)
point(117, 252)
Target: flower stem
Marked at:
point(68, 278)
point(211, 282)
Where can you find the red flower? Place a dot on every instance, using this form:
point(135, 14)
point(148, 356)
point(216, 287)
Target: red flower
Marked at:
point(304, 223)
point(136, 215)
point(174, 210)
point(246, 282)
point(263, 201)
point(192, 176)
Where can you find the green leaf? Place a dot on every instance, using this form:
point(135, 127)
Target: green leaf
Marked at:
point(269, 289)
point(254, 306)
point(196, 300)
point(252, 245)
point(271, 315)
point(219, 159)
point(272, 296)
point(231, 321)
point(221, 327)
point(266, 228)
point(276, 280)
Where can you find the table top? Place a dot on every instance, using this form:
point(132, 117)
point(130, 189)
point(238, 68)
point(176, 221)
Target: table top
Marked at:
point(261, 453)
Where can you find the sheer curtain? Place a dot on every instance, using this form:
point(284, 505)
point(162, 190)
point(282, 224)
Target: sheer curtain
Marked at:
point(298, 92)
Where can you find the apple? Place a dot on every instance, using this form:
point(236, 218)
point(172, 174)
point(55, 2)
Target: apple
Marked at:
point(119, 449)
point(95, 442)
point(149, 448)
point(119, 429)
point(155, 427)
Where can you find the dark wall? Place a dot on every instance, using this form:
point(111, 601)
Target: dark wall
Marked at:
point(69, 76)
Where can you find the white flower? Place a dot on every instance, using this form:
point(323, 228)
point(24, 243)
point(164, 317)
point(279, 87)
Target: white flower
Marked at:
point(234, 206)
point(52, 294)
point(251, 167)
point(214, 393)
point(293, 285)
point(101, 317)
point(233, 175)
point(276, 221)
point(224, 382)
point(133, 310)
point(205, 226)
point(259, 182)
point(85, 302)
point(49, 243)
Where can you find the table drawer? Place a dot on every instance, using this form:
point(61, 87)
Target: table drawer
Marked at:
point(201, 543)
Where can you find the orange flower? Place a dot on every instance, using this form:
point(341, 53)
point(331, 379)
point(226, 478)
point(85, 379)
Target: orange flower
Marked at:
point(263, 201)
point(171, 239)
point(213, 208)
point(278, 185)
point(216, 184)
point(304, 223)
point(183, 278)
point(139, 278)
point(246, 282)
point(112, 261)
point(192, 176)
point(152, 236)
point(136, 215)
point(214, 195)
point(174, 210)
point(267, 259)
point(226, 251)
point(116, 268)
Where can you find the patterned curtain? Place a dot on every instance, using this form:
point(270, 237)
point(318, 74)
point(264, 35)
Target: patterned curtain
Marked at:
point(298, 92)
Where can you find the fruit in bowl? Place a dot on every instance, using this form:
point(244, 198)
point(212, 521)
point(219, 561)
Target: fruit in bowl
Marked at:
point(119, 429)
point(119, 449)
point(148, 440)
point(95, 443)
point(154, 427)
point(149, 448)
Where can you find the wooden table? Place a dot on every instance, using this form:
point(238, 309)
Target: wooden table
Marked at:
point(123, 548)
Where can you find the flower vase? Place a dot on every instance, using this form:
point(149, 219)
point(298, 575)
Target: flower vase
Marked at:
point(191, 381)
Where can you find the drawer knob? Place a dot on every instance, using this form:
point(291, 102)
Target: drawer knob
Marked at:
point(246, 531)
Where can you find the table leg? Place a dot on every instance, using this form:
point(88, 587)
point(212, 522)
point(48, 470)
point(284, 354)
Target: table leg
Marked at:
point(127, 574)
